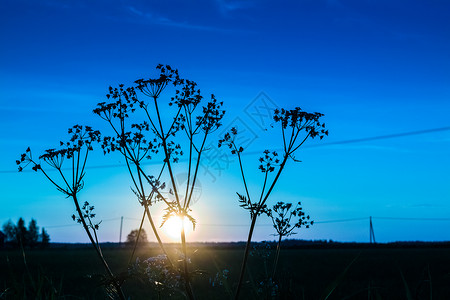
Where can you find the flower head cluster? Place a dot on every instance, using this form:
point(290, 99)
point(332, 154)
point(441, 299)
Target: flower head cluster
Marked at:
point(212, 115)
point(122, 103)
point(154, 86)
point(25, 159)
point(281, 215)
point(268, 161)
point(173, 152)
point(229, 140)
point(189, 96)
point(301, 120)
point(135, 141)
point(81, 137)
point(88, 214)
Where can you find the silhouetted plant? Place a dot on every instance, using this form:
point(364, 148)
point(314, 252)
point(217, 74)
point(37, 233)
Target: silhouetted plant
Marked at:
point(130, 141)
point(282, 215)
point(264, 286)
point(296, 127)
point(165, 280)
point(75, 151)
point(189, 119)
point(25, 284)
point(141, 131)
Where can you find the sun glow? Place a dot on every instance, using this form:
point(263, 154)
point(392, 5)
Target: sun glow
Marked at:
point(172, 227)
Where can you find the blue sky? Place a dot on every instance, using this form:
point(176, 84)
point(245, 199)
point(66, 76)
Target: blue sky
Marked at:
point(374, 68)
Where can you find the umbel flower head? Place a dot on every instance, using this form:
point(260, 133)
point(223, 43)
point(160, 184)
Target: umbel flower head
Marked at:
point(301, 120)
point(81, 136)
point(281, 215)
point(153, 87)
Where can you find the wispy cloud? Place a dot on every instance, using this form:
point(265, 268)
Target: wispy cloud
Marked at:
point(165, 21)
point(226, 6)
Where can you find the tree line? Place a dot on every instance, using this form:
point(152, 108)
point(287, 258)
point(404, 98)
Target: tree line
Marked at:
point(18, 235)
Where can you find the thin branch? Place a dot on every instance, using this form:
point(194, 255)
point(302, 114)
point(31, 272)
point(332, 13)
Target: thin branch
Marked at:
point(196, 170)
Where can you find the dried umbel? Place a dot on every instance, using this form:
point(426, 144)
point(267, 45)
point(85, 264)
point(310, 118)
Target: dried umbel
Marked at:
point(170, 129)
point(122, 102)
point(211, 116)
point(301, 120)
point(282, 215)
point(80, 137)
point(268, 161)
point(76, 149)
point(285, 220)
point(153, 87)
point(70, 183)
point(229, 140)
point(297, 126)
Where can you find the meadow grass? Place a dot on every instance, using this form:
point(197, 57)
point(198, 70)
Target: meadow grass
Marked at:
point(304, 273)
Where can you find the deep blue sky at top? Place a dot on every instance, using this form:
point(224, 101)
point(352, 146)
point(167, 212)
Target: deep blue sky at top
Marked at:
point(373, 67)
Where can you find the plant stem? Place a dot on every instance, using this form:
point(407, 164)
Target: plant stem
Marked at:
point(147, 210)
point(100, 255)
point(195, 173)
point(137, 238)
point(161, 245)
point(166, 154)
point(244, 262)
point(187, 281)
point(252, 225)
point(277, 255)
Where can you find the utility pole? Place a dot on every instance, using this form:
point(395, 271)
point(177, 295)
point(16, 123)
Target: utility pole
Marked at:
point(120, 235)
point(371, 232)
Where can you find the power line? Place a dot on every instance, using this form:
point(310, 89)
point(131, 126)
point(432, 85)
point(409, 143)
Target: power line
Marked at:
point(341, 220)
point(412, 219)
point(381, 137)
point(270, 225)
point(76, 224)
point(359, 140)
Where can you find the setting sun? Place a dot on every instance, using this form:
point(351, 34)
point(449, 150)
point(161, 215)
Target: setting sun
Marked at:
point(172, 227)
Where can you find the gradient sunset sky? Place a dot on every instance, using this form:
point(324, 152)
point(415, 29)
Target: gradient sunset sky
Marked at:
point(374, 68)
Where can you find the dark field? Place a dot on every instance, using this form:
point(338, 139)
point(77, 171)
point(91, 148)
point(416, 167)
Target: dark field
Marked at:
point(376, 273)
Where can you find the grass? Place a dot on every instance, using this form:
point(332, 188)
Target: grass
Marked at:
point(416, 273)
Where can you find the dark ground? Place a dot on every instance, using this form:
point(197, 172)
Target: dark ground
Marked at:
point(305, 271)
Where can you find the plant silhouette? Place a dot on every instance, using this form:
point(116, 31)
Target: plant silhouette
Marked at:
point(296, 126)
point(142, 127)
point(282, 215)
point(76, 150)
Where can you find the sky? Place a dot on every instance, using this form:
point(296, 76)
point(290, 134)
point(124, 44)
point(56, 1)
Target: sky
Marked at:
point(373, 68)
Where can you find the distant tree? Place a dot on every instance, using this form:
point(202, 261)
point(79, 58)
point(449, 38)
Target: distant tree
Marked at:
point(18, 235)
point(2, 239)
point(45, 238)
point(33, 233)
point(9, 229)
point(21, 232)
point(133, 235)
